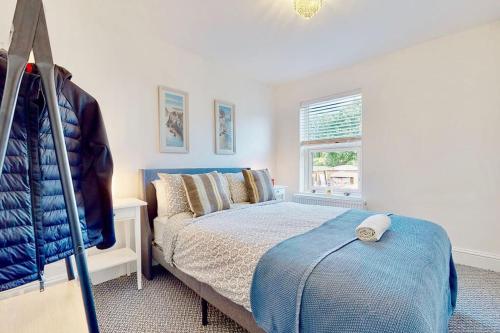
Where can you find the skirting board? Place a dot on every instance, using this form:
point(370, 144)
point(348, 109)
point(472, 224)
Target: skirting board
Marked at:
point(51, 279)
point(32, 286)
point(479, 259)
point(484, 260)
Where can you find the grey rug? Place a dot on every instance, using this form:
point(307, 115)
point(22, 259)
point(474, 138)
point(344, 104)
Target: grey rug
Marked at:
point(166, 305)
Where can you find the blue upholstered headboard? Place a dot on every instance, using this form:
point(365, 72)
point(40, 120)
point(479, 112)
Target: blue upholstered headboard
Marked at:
point(148, 191)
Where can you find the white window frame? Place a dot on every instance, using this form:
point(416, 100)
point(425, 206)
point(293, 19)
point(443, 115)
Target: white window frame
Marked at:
point(306, 160)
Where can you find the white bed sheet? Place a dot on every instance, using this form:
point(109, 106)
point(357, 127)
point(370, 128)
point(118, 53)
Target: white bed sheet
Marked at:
point(160, 222)
point(222, 249)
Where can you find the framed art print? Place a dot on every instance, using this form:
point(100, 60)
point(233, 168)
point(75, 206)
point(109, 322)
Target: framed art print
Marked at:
point(225, 140)
point(173, 106)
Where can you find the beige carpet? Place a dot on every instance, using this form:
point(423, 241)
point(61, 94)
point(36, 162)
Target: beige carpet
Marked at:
point(166, 305)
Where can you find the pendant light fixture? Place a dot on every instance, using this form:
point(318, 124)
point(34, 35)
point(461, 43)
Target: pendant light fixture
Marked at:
point(307, 8)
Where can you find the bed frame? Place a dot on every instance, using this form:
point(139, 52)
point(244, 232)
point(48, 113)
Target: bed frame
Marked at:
point(150, 252)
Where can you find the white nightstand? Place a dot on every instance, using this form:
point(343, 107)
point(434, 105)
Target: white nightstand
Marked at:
point(127, 210)
point(280, 192)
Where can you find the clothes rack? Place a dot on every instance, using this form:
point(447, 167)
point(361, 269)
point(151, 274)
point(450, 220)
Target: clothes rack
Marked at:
point(30, 34)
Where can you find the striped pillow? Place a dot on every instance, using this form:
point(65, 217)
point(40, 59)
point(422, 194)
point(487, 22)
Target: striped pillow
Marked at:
point(259, 185)
point(205, 193)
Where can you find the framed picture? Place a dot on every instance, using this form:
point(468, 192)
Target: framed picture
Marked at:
point(173, 106)
point(225, 139)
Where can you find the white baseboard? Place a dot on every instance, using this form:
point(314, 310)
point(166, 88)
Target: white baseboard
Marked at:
point(32, 286)
point(484, 260)
point(479, 259)
point(96, 277)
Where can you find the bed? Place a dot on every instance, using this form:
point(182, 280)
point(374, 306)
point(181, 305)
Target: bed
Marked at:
point(220, 255)
point(151, 251)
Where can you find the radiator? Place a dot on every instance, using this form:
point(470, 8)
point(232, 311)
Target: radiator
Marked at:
point(329, 200)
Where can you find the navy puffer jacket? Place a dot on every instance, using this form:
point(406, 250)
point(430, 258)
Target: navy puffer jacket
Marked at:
point(34, 229)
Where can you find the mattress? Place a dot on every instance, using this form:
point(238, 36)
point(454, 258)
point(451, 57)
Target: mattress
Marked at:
point(160, 222)
point(222, 249)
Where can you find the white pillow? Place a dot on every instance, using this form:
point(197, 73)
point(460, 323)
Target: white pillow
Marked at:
point(161, 197)
point(237, 187)
point(170, 195)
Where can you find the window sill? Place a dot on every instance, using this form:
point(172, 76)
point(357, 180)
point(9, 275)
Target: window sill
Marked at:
point(353, 196)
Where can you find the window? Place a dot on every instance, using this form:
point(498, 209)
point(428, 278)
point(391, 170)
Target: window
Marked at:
point(330, 135)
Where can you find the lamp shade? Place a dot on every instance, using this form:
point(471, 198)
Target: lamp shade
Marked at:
point(307, 8)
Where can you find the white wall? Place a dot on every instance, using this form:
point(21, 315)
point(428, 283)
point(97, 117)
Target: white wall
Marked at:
point(431, 134)
point(430, 112)
point(115, 55)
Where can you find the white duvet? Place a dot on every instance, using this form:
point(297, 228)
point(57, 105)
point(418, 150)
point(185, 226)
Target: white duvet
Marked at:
point(222, 249)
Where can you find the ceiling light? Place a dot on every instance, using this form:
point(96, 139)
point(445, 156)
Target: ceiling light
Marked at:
point(307, 8)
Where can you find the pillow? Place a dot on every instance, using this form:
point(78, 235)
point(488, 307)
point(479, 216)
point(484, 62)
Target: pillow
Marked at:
point(161, 197)
point(205, 193)
point(237, 187)
point(225, 186)
point(259, 185)
point(171, 195)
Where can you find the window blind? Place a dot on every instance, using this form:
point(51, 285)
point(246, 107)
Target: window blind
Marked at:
point(330, 121)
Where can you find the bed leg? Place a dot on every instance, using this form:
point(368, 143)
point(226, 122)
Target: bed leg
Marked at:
point(146, 246)
point(204, 312)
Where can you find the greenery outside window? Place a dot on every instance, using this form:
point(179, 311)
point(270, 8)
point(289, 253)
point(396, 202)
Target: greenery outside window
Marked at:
point(330, 131)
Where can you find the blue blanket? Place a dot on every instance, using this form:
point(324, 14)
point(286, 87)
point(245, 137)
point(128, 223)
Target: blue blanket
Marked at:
point(325, 280)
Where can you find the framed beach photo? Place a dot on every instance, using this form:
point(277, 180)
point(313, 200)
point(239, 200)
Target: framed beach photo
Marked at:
point(225, 139)
point(173, 106)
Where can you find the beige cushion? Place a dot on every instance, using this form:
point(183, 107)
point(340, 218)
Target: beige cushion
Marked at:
point(171, 195)
point(225, 186)
point(259, 185)
point(237, 187)
point(205, 193)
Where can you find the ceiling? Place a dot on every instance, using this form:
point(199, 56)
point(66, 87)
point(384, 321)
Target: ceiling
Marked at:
point(266, 40)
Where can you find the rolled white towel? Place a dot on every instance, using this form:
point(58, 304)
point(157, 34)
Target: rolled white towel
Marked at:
point(373, 227)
